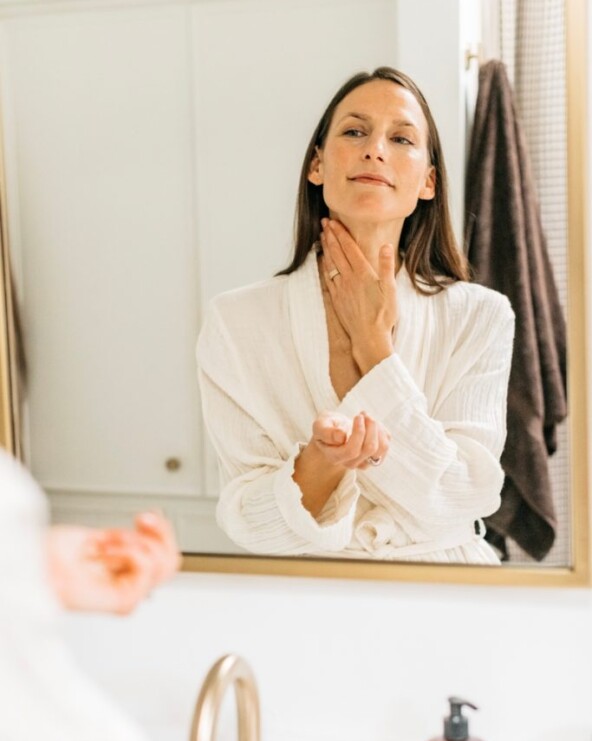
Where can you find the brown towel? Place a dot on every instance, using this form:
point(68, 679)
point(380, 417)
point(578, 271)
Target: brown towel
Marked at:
point(507, 250)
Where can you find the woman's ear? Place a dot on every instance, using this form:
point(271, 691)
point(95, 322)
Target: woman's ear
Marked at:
point(315, 171)
point(428, 190)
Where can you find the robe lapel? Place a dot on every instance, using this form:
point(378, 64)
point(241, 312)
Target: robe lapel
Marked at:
point(309, 331)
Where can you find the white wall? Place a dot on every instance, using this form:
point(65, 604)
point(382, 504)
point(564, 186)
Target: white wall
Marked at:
point(355, 661)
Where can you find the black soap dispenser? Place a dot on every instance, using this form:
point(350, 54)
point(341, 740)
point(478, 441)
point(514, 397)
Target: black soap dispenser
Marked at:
point(456, 725)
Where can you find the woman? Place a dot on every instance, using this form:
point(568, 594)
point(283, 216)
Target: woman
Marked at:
point(357, 400)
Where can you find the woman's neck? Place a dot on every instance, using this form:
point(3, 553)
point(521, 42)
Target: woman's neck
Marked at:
point(371, 236)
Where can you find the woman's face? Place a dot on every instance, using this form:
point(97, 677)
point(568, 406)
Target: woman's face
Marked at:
point(374, 165)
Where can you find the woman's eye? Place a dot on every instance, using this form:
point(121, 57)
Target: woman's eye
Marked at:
point(353, 132)
point(402, 140)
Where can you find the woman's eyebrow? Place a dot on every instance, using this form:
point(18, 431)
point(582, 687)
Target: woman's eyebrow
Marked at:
point(363, 117)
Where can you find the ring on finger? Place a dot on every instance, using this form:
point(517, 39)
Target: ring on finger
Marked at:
point(333, 273)
point(374, 461)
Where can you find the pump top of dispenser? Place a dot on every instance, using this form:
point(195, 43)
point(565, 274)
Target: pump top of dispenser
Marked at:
point(456, 725)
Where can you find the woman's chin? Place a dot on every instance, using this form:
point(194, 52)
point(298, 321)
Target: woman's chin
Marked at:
point(366, 214)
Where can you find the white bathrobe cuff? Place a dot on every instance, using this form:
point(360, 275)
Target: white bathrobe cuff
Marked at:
point(333, 531)
point(384, 388)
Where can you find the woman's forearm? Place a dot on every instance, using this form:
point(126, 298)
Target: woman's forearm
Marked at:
point(316, 477)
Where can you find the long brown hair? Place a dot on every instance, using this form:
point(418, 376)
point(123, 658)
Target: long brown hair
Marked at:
point(427, 245)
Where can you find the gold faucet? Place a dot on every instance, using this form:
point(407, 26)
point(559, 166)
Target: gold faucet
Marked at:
point(228, 670)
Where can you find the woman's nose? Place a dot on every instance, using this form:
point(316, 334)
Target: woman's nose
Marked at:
point(375, 148)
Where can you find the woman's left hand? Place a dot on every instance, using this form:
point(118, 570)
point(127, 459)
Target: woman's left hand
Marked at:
point(365, 301)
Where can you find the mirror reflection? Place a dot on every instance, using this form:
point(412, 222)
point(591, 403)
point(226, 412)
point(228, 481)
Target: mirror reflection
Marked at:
point(375, 340)
point(388, 385)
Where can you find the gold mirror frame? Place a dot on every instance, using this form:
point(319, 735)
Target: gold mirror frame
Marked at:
point(8, 392)
point(579, 574)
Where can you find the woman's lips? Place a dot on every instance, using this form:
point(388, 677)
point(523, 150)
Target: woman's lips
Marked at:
point(371, 180)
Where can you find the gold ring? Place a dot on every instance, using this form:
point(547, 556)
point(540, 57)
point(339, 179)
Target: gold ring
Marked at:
point(333, 273)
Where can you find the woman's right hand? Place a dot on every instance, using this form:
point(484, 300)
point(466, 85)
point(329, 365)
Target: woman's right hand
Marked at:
point(113, 569)
point(351, 443)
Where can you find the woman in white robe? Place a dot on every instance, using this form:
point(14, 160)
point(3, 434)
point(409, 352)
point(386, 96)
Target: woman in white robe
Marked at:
point(357, 400)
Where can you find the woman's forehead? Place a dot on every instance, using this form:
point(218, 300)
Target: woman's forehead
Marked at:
point(382, 98)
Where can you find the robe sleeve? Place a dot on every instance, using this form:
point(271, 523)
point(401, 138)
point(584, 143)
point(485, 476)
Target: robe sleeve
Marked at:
point(443, 465)
point(260, 505)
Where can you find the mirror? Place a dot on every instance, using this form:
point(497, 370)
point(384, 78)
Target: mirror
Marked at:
point(151, 161)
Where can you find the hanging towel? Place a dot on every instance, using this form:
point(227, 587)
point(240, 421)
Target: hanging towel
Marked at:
point(506, 247)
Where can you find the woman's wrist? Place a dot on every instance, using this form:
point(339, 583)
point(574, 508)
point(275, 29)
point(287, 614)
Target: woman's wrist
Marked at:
point(316, 476)
point(314, 457)
point(371, 352)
